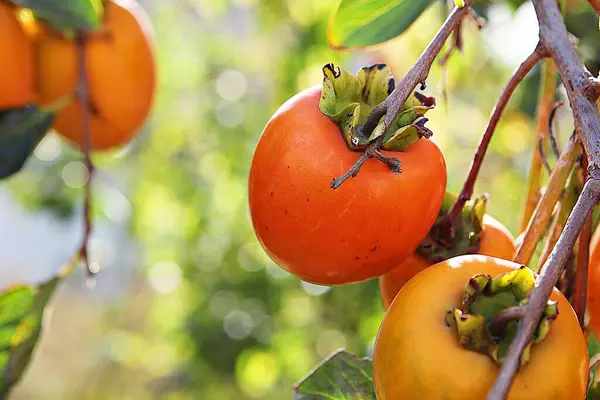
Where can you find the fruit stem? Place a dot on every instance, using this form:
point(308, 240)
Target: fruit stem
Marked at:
point(541, 216)
point(546, 101)
point(518, 75)
point(393, 104)
point(583, 258)
point(497, 327)
point(371, 152)
point(83, 96)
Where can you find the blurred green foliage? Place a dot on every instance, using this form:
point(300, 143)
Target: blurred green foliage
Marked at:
point(206, 314)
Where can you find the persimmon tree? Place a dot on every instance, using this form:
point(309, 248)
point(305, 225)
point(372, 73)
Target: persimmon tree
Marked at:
point(382, 126)
point(86, 70)
point(557, 218)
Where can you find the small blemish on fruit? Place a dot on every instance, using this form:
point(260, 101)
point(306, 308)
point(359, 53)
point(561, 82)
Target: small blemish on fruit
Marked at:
point(286, 212)
point(288, 167)
point(307, 200)
point(271, 194)
point(374, 249)
point(357, 258)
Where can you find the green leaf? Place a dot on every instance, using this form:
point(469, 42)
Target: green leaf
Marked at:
point(340, 376)
point(20, 131)
point(66, 15)
point(361, 23)
point(21, 312)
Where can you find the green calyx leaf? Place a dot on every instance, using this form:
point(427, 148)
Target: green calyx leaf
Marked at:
point(348, 101)
point(340, 376)
point(439, 244)
point(477, 320)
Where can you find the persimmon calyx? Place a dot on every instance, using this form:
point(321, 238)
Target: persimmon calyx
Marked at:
point(476, 320)
point(440, 244)
point(348, 101)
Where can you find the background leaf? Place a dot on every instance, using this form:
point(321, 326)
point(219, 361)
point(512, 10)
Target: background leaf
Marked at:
point(21, 313)
point(20, 132)
point(341, 376)
point(66, 14)
point(368, 23)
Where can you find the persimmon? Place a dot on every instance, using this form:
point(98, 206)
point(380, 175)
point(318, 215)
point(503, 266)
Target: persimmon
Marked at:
point(417, 353)
point(16, 58)
point(121, 76)
point(496, 241)
point(360, 230)
point(593, 303)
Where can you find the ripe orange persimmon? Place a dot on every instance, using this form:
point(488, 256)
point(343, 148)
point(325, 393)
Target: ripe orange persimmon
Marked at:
point(418, 356)
point(593, 303)
point(16, 60)
point(356, 232)
point(496, 241)
point(121, 76)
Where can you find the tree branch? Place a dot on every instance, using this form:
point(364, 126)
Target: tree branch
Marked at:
point(581, 90)
point(544, 284)
point(583, 259)
point(518, 75)
point(420, 71)
point(541, 217)
point(497, 327)
point(392, 105)
point(544, 111)
point(83, 96)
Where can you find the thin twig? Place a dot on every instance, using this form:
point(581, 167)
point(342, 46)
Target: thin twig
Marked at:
point(566, 204)
point(551, 129)
point(476, 18)
point(497, 327)
point(583, 258)
point(545, 282)
point(518, 75)
point(545, 163)
point(582, 90)
point(566, 283)
point(545, 102)
point(541, 217)
point(456, 45)
point(370, 152)
point(83, 96)
point(394, 102)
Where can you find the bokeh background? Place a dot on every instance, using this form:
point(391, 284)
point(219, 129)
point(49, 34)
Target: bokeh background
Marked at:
point(187, 306)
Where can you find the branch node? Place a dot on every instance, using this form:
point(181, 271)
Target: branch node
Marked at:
point(591, 88)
